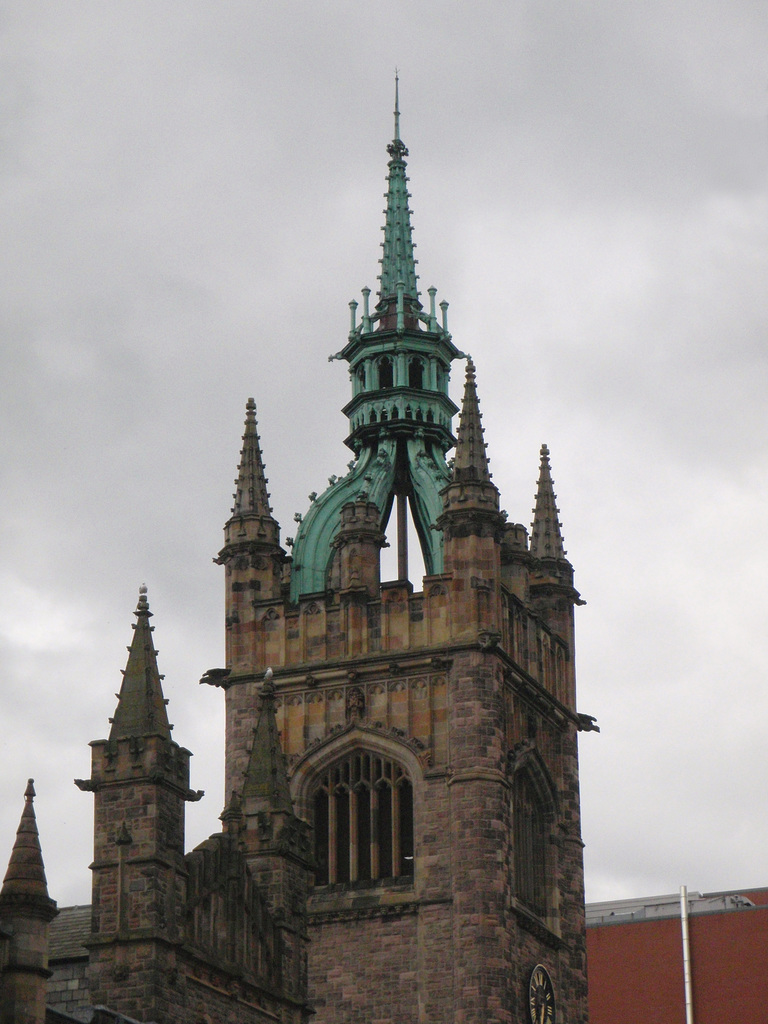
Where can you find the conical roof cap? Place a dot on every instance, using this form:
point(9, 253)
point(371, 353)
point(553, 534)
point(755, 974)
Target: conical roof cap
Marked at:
point(26, 874)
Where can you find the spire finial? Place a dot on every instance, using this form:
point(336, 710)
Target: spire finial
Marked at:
point(267, 687)
point(397, 106)
point(397, 261)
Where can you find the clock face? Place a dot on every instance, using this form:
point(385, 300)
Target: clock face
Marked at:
point(541, 996)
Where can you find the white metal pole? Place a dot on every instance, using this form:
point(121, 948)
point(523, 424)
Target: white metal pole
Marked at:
point(687, 974)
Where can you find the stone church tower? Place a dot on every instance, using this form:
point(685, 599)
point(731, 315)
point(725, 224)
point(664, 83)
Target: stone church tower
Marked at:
point(430, 730)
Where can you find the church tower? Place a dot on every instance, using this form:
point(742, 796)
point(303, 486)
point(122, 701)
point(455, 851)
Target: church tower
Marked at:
point(429, 730)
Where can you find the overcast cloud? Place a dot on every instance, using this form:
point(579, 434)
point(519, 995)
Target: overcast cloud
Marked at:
point(191, 193)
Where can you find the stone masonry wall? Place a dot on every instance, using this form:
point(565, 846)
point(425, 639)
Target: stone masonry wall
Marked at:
point(68, 986)
point(366, 974)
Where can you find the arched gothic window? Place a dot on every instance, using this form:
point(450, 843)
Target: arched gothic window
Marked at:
point(531, 845)
point(416, 374)
point(363, 808)
point(386, 373)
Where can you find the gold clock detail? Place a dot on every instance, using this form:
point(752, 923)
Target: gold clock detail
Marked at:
point(541, 996)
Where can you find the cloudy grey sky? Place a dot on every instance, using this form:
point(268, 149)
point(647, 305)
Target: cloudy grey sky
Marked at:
point(192, 193)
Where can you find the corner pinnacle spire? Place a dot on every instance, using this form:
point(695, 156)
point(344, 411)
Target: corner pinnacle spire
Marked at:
point(251, 497)
point(470, 461)
point(398, 266)
point(25, 876)
point(546, 537)
point(141, 705)
point(266, 780)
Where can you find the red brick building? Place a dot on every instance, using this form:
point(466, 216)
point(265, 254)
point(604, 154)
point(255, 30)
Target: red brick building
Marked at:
point(636, 959)
point(402, 837)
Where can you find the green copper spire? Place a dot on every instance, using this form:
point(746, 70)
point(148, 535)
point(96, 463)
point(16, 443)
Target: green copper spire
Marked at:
point(141, 705)
point(400, 413)
point(398, 266)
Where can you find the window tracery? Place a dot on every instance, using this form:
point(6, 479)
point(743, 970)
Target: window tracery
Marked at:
point(363, 811)
point(531, 846)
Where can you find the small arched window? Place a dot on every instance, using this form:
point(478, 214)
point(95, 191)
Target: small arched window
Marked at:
point(361, 377)
point(416, 374)
point(386, 373)
point(363, 809)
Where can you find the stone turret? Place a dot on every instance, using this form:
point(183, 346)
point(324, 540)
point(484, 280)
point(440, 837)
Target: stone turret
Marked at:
point(552, 592)
point(359, 543)
point(251, 553)
point(26, 911)
point(471, 522)
point(140, 780)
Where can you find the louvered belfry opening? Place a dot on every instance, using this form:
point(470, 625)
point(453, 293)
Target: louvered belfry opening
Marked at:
point(363, 809)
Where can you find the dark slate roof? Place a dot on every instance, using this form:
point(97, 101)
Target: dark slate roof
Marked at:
point(68, 934)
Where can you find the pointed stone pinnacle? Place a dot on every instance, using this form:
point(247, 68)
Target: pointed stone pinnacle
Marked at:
point(141, 705)
point(266, 779)
point(251, 497)
point(25, 876)
point(546, 536)
point(470, 460)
